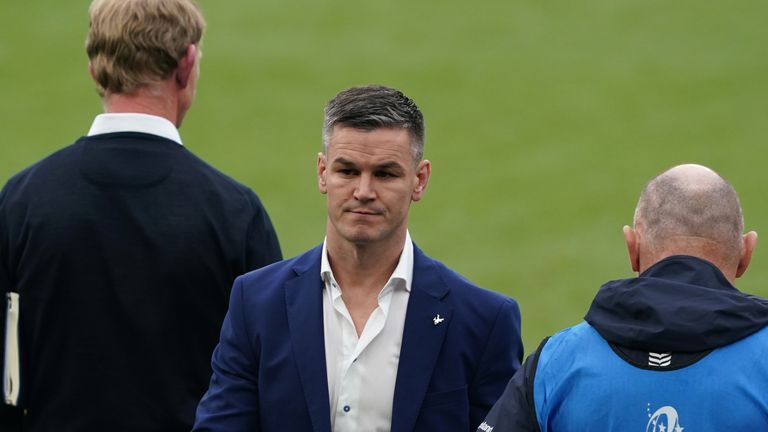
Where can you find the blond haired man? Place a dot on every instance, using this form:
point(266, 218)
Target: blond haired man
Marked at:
point(117, 252)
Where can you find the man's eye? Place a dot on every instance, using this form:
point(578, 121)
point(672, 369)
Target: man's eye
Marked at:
point(346, 172)
point(384, 174)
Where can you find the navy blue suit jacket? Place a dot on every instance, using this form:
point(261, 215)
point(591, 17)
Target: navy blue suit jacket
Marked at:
point(269, 371)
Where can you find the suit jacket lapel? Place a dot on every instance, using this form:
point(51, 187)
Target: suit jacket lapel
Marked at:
point(304, 303)
point(422, 341)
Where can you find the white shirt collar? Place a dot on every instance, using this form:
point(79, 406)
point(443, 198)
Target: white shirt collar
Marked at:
point(403, 271)
point(134, 122)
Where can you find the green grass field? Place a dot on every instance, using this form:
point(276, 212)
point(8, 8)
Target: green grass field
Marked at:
point(544, 118)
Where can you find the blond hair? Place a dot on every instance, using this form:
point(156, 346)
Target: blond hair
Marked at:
point(134, 43)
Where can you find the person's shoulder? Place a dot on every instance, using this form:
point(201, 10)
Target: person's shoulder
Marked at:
point(575, 332)
point(756, 342)
point(460, 286)
point(270, 279)
point(221, 181)
point(42, 169)
point(211, 171)
point(471, 303)
point(579, 338)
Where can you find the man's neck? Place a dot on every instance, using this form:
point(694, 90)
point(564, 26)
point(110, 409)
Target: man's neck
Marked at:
point(156, 101)
point(364, 267)
point(700, 248)
point(362, 270)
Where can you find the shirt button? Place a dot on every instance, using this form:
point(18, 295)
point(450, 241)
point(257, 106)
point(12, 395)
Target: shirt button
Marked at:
point(347, 408)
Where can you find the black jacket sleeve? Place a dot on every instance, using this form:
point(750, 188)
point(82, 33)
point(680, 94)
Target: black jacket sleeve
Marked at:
point(515, 411)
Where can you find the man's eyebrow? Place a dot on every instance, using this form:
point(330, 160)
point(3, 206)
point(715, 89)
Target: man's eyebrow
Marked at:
point(342, 161)
point(390, 166)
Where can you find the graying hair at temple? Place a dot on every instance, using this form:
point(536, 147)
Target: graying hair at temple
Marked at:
point(374, 107)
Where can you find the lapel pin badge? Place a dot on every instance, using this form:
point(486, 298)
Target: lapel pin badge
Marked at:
point(437, 320)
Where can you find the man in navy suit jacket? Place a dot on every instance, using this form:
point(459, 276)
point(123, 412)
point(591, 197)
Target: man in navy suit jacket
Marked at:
point(364, 332)
point(118, 252)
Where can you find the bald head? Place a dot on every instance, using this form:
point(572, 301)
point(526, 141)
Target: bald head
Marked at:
point(690, 209)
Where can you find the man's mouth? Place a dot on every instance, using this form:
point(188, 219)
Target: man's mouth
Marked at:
point(365, 212)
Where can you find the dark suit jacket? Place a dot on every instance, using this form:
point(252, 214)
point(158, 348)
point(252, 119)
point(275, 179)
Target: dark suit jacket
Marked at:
point(123, 248)
point(269, 371)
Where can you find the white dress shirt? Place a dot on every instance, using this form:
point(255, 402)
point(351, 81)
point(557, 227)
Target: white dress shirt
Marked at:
point(362, 371)
point(134, 122)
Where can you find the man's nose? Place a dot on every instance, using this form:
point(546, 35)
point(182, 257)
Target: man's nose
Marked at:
point(365, 188)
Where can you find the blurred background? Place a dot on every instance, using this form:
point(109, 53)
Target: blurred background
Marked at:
point(544, 118)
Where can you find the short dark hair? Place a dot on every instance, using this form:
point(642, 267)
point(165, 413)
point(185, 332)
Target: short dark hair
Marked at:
point(372, 107)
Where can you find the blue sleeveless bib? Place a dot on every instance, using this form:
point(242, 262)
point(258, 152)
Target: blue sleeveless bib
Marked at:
point(581, 385)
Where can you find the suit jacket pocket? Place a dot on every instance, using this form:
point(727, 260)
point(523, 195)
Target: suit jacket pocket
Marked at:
point(450, 397)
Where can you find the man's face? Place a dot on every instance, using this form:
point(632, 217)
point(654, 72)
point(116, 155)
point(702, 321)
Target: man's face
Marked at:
point(370, 178)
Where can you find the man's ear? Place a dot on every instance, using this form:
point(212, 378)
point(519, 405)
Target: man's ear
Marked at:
point(630, 236)
point(322, 173)
point(186, 65)
point(749, 241)
point(92, 73)
point(423, 171)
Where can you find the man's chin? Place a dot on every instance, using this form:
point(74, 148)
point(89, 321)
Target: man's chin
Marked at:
point(362, 236)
